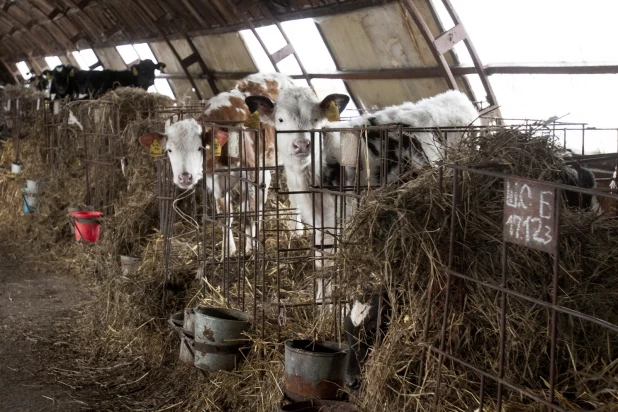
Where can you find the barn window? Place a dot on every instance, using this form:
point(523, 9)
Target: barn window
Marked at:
point(128, 53)
point(87, 59)
point(541, 96)
point(310, 48)
point(52, 61)
point(24, 70)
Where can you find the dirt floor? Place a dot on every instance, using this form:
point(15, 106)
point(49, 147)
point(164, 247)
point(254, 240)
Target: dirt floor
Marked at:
point(33, 304)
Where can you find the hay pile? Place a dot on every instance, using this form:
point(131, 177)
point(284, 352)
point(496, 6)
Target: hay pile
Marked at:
point(398, 242)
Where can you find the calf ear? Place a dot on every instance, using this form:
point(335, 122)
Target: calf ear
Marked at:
point(160, 67)
point(147, 139)
point(263, 105)
point(341, 100)
point(221, 136)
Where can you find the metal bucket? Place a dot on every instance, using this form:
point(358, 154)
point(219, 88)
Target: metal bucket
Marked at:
point(16, 168)
point(30, 201)
point(218, 339)
point(188, 324)
point(129, 264)
point(187, 351)
point(34, 186)
point(314, 369)
point(316, 405)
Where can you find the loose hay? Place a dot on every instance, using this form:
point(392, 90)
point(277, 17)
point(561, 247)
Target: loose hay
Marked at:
point(398, 242)
point(124, 356)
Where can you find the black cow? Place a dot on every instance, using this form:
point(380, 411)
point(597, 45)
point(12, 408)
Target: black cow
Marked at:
point(41, 82)
point(361, 327)
point(71, 82)
point(578, 176)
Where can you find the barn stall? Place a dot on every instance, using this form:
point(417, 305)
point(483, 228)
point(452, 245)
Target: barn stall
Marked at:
point(470, 315)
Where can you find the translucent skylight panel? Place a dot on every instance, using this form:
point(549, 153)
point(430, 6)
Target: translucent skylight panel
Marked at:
point(162, 86)
point(81, 61)
point(272, 38)
point(128, 53)
point(52, 61)
point(144, 52)
point(89, 57)
point(309, 45)
point(289, 66)
point(24, 70)
point(260, 58)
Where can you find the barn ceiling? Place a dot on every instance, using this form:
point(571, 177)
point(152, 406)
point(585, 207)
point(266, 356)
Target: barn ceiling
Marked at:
point(36, 28)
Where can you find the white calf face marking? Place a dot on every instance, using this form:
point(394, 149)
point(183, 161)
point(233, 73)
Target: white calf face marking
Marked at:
point(297, 108)
point(299, 114)
point(183, 144)
point(183, 147)
point(359, 312)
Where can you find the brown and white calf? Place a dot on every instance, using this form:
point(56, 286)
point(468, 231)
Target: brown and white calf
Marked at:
point(183, 144)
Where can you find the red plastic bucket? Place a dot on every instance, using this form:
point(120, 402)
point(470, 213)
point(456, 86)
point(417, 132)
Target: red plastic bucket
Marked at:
point(87, 225)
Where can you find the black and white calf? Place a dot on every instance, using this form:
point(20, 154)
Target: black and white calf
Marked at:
point(578, 176)
point(388, 157)
point(367, 316)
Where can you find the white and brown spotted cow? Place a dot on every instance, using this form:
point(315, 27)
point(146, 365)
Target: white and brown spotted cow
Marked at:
point(183, 144)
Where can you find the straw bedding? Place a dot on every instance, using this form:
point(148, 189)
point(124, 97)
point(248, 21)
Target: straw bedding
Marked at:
point(123, 355)
point(398, 242)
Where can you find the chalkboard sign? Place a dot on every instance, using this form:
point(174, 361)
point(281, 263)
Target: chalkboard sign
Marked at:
point(530, 214)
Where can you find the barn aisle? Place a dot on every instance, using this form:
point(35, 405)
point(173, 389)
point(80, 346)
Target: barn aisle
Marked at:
point(33, 305)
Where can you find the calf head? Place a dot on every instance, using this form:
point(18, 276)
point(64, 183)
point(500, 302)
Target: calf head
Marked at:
point(361, 327)
point(144, 71)
point(40, 82)
point(183, 145)
point(296, 109)
point(63, 80)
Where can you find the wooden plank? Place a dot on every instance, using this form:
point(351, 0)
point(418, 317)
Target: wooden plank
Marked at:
point(282, 53)
point(447, 40)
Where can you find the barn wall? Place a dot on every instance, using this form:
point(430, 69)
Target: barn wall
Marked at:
point(226, 52)
point(379, 38)
point(110, 58)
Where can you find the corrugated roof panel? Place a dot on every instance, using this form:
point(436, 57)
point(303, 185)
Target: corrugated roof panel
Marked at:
point(164, 54)
point(225, 85)
point(182, 89)
point(204, 88)
point(110, 58)
point(226, 52)
point(384, 38)
point(376, 38)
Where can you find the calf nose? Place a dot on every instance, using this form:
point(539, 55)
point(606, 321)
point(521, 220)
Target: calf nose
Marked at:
point(354, 384)
point(301, 145)
point(185, 177)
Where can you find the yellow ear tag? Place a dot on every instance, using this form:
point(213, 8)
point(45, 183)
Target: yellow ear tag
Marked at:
point(216, 147)
point(135, 72)
point(332, 113)
point(253, 121)
point(155, 149)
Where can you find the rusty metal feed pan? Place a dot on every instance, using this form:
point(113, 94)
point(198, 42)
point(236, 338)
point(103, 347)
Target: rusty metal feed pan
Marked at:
point(218, 337)
point(314, 369)
point(316, 405)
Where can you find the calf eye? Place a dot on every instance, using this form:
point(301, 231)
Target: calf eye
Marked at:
point(315, 120)
point(169, 150)
point(280, 120)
